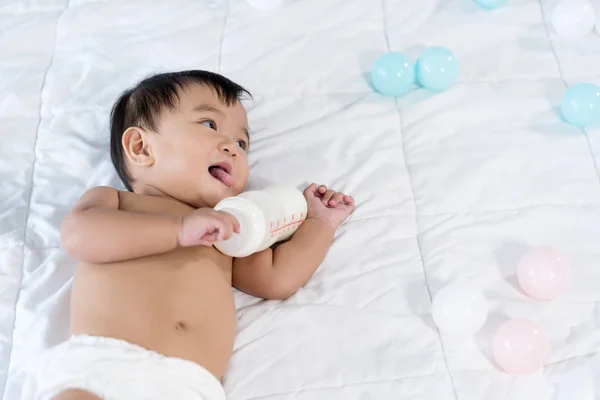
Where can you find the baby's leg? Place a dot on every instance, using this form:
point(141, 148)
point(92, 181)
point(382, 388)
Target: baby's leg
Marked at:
point(75, 394)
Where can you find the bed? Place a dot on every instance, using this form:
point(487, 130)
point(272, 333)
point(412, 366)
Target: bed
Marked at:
point(450, 186)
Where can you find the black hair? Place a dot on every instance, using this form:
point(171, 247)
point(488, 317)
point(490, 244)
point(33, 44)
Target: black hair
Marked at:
point(142, 105)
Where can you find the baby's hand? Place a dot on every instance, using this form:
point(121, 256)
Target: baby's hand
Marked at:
point(205, 226)
point(333, 207)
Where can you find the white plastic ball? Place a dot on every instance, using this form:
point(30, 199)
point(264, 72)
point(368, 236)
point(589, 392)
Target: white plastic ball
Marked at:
point(573, 18)
point(459, 310)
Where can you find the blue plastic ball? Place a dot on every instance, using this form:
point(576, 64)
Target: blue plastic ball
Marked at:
point(437, 68)
point(491, 4)
point(393, 74)
point(580, 106)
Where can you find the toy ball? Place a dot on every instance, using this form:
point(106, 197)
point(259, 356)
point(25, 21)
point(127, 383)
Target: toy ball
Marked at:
point(393, 74)
point(458, 309)
point(521, 346)
point(543, 273)
point(580, 105)
point(265, 4)
point(573, 18)
point(437, 68)
point(491, 4)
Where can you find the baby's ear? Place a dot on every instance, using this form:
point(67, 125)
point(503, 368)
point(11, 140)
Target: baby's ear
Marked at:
point(137, 147)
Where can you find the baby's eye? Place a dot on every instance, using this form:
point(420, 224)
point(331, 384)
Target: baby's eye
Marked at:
point(243, 145)
point(210, 123)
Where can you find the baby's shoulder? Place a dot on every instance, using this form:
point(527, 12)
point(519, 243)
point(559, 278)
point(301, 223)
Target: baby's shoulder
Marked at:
point(134, 202)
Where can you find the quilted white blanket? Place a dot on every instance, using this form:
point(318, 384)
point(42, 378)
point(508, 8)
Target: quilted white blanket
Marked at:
point(450, 186)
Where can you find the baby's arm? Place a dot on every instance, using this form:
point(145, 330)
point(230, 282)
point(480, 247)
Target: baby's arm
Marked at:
point(278, 274)
point(97, 231)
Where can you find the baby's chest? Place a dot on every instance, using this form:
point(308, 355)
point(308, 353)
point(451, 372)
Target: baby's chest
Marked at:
point(153, 205)
point(198, 262)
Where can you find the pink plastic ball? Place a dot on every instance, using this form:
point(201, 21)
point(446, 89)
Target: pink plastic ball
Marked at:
point(543, 273)
point(521, 347)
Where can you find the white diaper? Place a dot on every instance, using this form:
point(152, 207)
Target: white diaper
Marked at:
point(114, 369)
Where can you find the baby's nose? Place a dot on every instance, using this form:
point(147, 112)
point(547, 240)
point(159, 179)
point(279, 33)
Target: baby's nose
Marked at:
point(228, 148)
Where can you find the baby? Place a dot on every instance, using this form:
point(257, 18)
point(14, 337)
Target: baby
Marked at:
point(152, 308)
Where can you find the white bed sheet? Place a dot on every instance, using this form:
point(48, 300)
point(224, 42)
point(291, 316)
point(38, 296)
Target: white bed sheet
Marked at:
point(450, 186)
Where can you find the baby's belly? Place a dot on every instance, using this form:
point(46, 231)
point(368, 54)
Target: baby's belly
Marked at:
point(179, 304)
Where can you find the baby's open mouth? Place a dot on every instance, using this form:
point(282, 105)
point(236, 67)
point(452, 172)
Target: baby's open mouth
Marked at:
point(221, 172)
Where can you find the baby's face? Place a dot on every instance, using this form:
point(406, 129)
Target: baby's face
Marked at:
point(200, 149)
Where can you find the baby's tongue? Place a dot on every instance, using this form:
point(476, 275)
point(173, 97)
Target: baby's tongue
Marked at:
point(223, 176)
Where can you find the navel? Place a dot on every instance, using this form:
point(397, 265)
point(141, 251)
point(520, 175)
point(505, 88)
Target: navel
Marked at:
point(180, 326)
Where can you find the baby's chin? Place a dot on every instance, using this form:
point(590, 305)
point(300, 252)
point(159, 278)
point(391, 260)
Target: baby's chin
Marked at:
point(210, 194)
point(212, 199)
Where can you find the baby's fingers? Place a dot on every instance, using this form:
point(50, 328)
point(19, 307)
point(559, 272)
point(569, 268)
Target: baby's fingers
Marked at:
point(209, 238)
point(336, 199)
point(225, 224)
point(225, 230)
point(310, 191)
point(233, 222)
point(328, 196)
point(349, 200)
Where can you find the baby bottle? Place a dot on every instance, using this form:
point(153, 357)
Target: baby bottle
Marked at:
point(266, 217)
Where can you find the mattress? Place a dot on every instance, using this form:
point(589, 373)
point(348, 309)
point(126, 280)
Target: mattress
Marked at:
point(451, 186)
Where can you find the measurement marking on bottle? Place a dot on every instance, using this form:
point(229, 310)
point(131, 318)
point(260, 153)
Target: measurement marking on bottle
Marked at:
point(286, 226)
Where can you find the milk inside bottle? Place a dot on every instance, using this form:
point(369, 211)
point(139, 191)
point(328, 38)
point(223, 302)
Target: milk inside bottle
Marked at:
point(266, 217)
